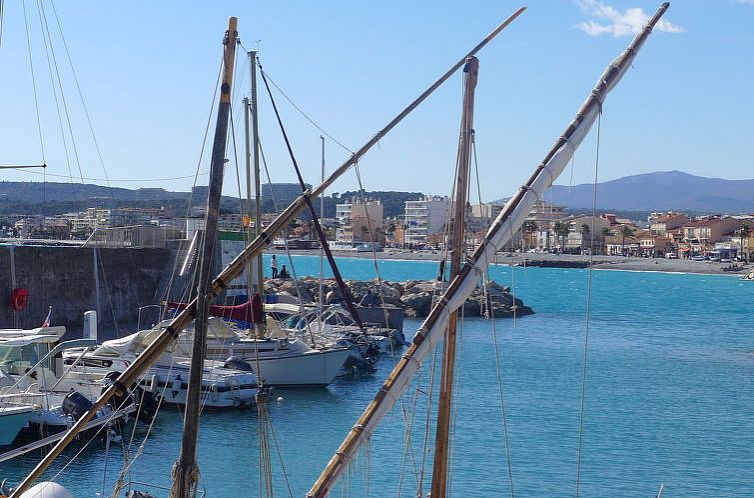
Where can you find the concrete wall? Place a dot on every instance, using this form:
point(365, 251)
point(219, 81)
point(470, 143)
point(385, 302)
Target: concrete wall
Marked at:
point(72, 281)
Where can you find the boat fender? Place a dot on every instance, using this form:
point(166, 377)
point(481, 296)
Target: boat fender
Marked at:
point(237, 363)
point(19, 298)
point(46, 490)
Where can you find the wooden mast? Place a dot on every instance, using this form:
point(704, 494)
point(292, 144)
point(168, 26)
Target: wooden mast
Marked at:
point(251, 280)
point(457, 244)
point(257, 176)
point(186, 470)
point(129, 376)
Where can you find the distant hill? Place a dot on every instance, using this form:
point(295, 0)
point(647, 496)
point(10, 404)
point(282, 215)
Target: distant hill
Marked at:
point(51, 198)
point(664, 190)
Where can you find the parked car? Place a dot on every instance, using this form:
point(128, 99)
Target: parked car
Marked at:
point(699, 257)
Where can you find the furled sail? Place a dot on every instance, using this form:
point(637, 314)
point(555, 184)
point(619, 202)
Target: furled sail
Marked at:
point(502, 230)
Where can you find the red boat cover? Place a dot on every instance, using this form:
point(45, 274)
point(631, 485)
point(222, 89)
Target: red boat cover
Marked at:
point(251, 312)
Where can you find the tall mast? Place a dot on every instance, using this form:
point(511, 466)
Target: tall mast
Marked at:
point(457, 245)
point(257, 182)
point(186, 470)
point(507, 222)
point(252, 282)
point(130, 375)
point(321, 249)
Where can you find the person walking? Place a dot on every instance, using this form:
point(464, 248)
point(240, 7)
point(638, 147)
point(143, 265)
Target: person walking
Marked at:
point(274, 266)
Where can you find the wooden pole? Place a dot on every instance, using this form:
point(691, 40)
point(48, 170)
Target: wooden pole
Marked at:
point(457, 246)
point(255, 248)
point(257, 175)
point(186, 469)
point(251, 281)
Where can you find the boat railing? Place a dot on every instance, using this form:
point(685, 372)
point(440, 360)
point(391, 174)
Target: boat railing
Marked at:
point(75, 343)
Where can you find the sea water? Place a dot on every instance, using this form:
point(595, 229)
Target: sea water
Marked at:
point(668, 399)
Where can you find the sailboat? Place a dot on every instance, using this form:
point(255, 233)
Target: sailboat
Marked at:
point(432, 330)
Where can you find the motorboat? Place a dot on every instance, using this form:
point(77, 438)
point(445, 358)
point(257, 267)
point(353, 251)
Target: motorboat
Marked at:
point(278, 359)
point(223, 386)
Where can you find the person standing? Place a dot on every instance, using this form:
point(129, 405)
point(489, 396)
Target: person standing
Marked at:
point(274, 266)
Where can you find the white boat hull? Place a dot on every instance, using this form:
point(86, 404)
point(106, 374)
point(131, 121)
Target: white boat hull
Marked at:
point(316, 367)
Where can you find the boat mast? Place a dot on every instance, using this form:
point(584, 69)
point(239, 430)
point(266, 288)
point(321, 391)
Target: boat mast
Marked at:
point(251, 282)
point(321, 249)
point(257, 182)
point(507, 222)
point(186, 470)
point(183, 319)
point(457, 245)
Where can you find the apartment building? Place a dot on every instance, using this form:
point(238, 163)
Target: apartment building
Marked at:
point(425, 217)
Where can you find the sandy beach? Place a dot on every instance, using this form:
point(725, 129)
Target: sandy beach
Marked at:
point(554, 260)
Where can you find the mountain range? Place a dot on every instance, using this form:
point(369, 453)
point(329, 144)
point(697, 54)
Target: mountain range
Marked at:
point(660, 191)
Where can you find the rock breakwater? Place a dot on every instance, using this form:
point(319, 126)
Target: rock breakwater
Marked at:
point(415, 297)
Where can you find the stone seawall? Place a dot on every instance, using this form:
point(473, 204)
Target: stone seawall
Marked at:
point(114, 282)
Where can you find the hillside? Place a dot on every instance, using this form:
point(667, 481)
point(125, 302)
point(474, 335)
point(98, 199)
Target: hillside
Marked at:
point(51, 198)
point(661, 191)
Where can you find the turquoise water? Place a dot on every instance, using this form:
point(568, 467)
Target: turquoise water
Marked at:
point(668, 399)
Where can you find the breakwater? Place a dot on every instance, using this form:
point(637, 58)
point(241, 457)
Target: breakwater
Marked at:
point(414, 297)
point(113, 282)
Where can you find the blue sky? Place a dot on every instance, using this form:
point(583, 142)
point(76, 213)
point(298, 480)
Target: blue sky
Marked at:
point(147, 71)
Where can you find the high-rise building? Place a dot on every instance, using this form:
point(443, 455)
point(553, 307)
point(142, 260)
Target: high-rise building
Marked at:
point(425, 217)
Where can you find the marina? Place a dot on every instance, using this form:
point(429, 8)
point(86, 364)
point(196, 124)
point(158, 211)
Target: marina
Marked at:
point(279, 350)
point(649, 354)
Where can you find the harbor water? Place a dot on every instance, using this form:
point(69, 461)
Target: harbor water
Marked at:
point(669, 399)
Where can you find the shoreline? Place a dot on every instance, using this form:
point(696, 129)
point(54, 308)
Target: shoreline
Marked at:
point(600, 262)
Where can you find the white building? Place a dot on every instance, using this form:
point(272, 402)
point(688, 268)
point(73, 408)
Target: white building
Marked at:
point(425, 217)
point(359, 221)
point(343, 220)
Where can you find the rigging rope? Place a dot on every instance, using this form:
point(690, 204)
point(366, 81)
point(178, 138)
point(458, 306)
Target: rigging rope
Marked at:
point(491, 316)
point(306, 116)
point(33, 83)
point(48, 50)
point(582, 402)
point(46, 30)
point(83, 103)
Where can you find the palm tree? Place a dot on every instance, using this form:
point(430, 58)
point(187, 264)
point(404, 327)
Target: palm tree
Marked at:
point(744, 233)
point(528, 228)
point(585, 232)
point(561, 230)
point(625, 231)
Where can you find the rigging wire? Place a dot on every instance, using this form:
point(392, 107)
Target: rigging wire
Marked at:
point(380, 292)
point(135, 180)
point(187, 290)
point(46, 30)
point(34, 83)
point(587, 320)
point(491, 316)
point(48, 50)
point(2, 12)
point(306, 116)
point(81, 98)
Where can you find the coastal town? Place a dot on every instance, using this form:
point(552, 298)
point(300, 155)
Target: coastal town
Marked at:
point(362, 224)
